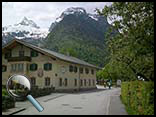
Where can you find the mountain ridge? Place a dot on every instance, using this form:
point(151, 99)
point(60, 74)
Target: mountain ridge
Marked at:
point(75, 32)
point(81, 35)
point(26, 29)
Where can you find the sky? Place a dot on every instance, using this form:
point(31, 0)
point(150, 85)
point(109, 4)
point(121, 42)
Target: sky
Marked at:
point(42, 13)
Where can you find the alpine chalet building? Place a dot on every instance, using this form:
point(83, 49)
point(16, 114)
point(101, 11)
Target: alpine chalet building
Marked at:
point(46, 68)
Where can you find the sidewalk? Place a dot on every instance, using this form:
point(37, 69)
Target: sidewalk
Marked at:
point(108, 103)
point(12, 111)
point(116, 107)
point(23, 105)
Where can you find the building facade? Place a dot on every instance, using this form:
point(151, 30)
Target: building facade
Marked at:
point(46, 68)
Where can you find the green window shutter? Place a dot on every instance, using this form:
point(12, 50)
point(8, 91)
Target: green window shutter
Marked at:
point(92, 71)
point(48, 66)
point(75, 82)
point(33, 81)
point(66, 82)
point(60, 82)
point(33, 67)
point(34, 53)
point(81, 70)
point(75, 69)
point(71, 68)
point(87, 70)
point(4, 68)
point(47, 81)
point(7, 55)
point(45, 66)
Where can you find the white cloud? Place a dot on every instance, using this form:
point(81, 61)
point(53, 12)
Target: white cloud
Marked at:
point(43, 13)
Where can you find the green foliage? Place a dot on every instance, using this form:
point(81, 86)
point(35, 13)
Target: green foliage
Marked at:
point(115, 70)
point(7, 101)
point(37, 92)
point(69, 51)
point(81, 38)
point(131, 51)
point(138, 97)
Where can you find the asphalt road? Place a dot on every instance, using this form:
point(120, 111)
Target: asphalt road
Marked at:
point(94, 102)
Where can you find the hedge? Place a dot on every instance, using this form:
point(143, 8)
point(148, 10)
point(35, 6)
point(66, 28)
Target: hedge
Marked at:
point(138, 97)
point(7, 101)
point(37, 92)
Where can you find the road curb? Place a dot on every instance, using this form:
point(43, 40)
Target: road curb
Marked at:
point(107, 111)
point(18, 111)
point(117, 108)
point(54, 98)
point(13, 111)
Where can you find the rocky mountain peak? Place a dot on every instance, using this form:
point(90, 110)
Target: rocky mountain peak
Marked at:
point(26, 22)
point(73, 10)
point(76, 11)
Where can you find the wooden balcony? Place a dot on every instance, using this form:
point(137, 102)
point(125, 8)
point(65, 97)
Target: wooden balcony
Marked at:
point(16, 59)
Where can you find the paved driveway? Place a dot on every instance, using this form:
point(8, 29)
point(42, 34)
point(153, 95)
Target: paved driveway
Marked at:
point(94, 102)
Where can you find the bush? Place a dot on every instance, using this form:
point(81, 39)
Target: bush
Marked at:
point(7, 101)
point(138, 97)
point(37, 92)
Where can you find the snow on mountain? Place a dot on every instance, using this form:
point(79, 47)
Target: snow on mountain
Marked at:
point(73, 10)
point(58, 19)
point(93, 16)
point(27, 22)
point(25, 29)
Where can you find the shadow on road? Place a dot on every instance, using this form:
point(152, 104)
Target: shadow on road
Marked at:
point(89, 91)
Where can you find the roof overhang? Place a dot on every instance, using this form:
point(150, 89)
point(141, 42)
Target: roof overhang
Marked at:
point(14, 43)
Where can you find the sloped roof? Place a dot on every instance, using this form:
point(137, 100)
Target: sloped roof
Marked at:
point(52, 53)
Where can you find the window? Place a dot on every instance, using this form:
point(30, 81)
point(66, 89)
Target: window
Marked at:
point(75, 82)
point(13, 67)
point(66, 82)
point(20, 67)
point(60, 82)
point(81, 70)
point(75, 69)
point(81, 83)
point(89, 82)
point(17, 67)
point(93, 82)
point(21, 53)
point(85, 82)
point(87, 70)
point(56, 75)
point(47, 81)
point(4, 68)
point(34, 53)
point(33, 81)
point(48, 66)
point(71, 68)
point(8, 55)
point(33, 67)
point(92, 71)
